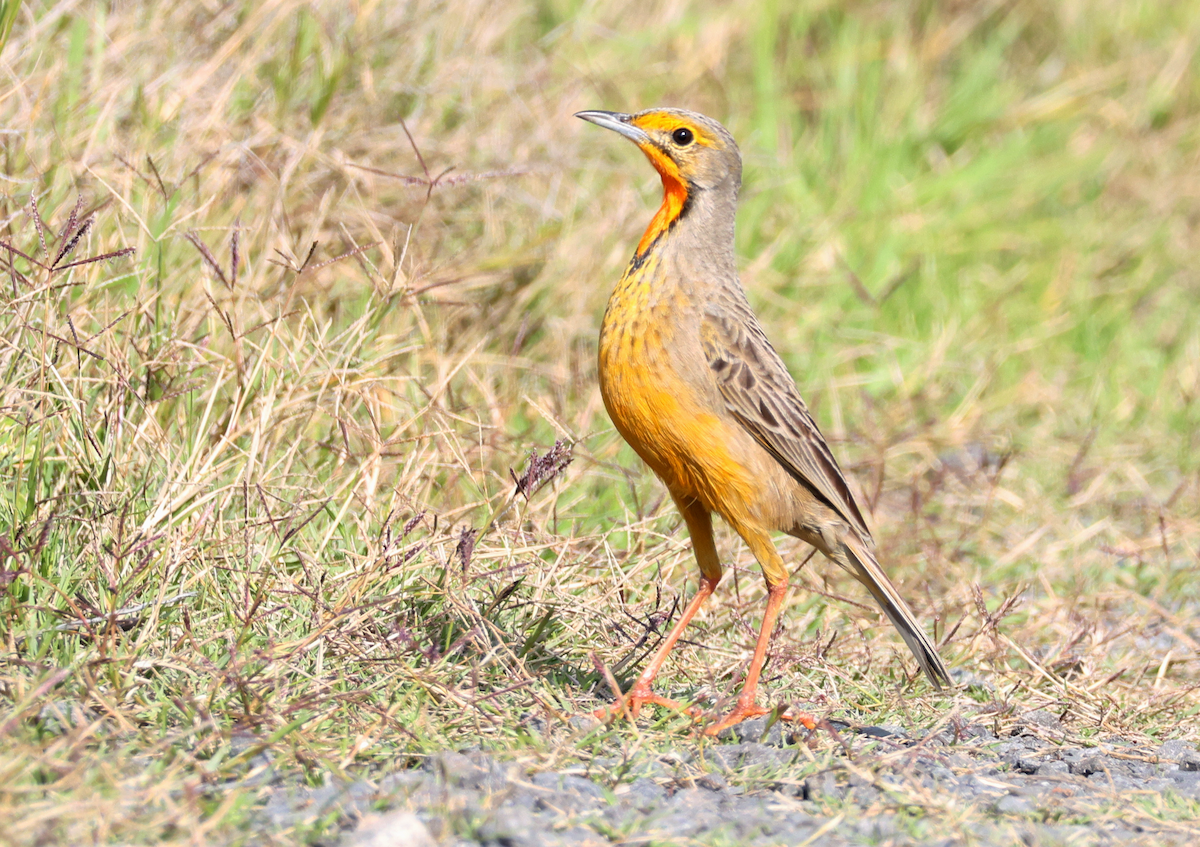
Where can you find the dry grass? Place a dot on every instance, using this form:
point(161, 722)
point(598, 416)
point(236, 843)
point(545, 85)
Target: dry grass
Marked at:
point(242, 465)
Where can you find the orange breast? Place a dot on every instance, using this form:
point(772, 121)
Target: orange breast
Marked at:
point(663, 419)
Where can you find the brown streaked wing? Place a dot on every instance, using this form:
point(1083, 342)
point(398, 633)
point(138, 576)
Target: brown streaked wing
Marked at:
point(760, 393)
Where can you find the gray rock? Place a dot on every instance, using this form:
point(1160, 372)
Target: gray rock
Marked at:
point(1118, 781)
point(279, 808)
point(1011, 804)
point(585, 723)
point(799, 828)
point(940, 738)
point(568, 792)
point(477, 771)
point(510, 825)
point(402, 783)
point(974, 731)
point(1187, 783)
point(739, 757)
point(864, 795)
point(1141, 770)
point(755, 730)
point(1053, 767)
point(645, 794)
point(676, 758)
point(649, 768)
point(1089, 766)
point(689, 812)
point(940, 773)
point(713, 782)
point(569, 783)
point(691, 798)
point(298, 804)
point(677, 825)
point(535, 723)
point(746, 826)
point(357, 798)
point(395, 829)
point(1019, 747)
point(576, 836)
point(1073, 755)
point(822, 787)
point(878, 829)
point(1040, 723)
point(1175, 751)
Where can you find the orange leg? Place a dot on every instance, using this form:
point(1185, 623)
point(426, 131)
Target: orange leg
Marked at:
point(746, 707)
point(699, 524)
point(641, 693)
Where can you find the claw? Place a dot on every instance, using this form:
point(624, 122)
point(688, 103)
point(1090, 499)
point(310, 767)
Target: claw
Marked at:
point(744, 711)
point(632, 703)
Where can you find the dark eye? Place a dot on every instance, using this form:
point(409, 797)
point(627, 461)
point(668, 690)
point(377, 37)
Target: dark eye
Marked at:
point(682, 136)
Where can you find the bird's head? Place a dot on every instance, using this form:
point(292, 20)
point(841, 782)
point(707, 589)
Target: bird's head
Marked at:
point(693, 154)
point(683, 146)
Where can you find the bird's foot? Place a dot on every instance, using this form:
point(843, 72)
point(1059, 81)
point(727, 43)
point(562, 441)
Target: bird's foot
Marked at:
point(744, 711)
point(630, 704)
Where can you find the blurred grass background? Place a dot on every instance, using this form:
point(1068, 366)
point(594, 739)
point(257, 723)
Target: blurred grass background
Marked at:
point(241, 466)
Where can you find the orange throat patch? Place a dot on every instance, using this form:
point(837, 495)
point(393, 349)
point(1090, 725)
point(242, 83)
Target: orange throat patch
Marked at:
point(675, 195)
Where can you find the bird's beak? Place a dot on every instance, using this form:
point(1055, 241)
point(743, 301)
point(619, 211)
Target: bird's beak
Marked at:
point(617, 122)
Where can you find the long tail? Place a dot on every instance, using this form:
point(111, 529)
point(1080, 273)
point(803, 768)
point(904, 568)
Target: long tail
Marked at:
point(867, 571)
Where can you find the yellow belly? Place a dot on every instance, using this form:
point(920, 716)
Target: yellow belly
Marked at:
point(664, 420)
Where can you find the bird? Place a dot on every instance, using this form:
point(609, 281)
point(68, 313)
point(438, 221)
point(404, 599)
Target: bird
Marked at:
point(691, 382)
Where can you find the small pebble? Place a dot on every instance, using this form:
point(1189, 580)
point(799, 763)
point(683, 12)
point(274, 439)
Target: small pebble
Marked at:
point(1010, 804)
point(1053, 768)
point(1040, 723)
point(395, 829)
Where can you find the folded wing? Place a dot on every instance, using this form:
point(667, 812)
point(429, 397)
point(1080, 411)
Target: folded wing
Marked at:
point(760, 394)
